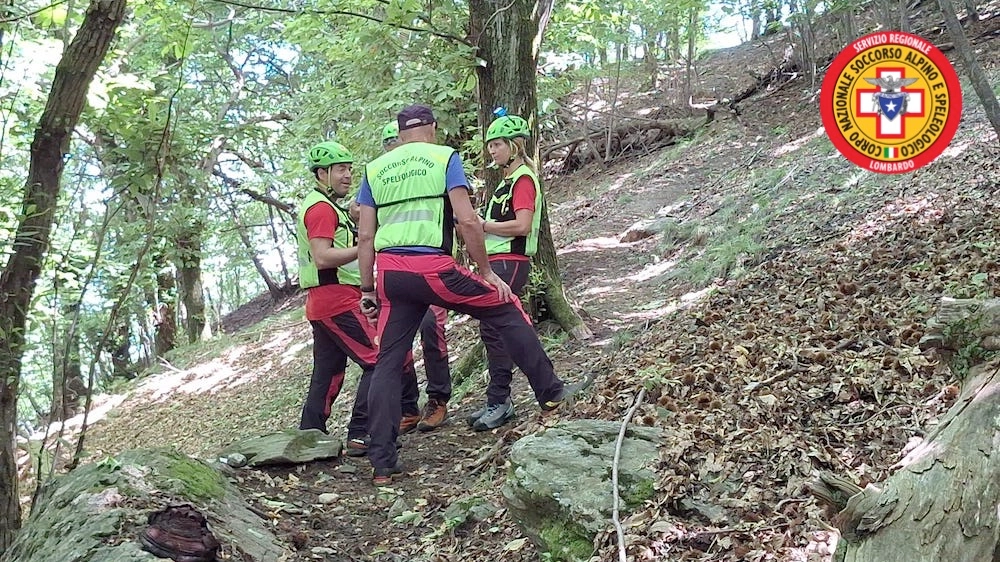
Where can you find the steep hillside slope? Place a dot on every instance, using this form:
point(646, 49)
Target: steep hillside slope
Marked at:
point(771, 314)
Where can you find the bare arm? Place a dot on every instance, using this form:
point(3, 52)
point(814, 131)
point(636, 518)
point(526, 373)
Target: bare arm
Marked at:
point(469, 227)
point(520, 226)
point(325, 256)
point(367, 225)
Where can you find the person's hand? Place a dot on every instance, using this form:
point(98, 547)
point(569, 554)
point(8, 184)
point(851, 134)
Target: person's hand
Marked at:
point(369, 305)
point(503, 289)
point(482, 223)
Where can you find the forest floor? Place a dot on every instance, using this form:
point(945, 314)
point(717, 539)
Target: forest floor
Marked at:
point(772, 317)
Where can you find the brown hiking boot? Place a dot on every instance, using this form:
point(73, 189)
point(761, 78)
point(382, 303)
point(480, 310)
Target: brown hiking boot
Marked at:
point(434, 414)
point(357, 447)
point(180, 533)
point(383, 476)
point(408, 423)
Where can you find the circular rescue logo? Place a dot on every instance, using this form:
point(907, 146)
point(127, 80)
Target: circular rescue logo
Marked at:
point(891, 102)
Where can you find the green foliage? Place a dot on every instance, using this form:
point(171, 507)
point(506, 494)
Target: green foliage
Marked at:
point(201, 103)
point(657, 375)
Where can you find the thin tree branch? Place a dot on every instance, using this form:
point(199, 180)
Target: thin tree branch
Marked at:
point(440, 34)
point(32, 13)
point(614, 475)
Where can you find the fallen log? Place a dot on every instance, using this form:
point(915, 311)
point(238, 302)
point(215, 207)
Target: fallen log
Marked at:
point(632, 134)
point(942, 503)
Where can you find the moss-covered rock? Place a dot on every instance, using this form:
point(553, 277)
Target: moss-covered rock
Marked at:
point(559, 489)
point(96, 512)
point(290, 446)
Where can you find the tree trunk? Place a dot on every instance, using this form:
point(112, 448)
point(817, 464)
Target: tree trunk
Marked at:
point(165, 315)
point(65, 102)
point(555, 296)
point(509, 36)
point(67, 376)
point(980, 83)
point(277, 244)
point(904, 16)
point(189, 270)
point(649, 58)
point(942, 502)
point(691, 35)
point(970, 7)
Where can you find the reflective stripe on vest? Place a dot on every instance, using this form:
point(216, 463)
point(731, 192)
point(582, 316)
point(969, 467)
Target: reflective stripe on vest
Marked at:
point(411, 199)
point(344, 236)
point(501, 209)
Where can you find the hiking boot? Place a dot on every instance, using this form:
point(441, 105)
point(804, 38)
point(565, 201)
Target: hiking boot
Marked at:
point(567, 392)
point(435, 413)
point(357, 447)
point(408, 423)
point(474, 416)
point(180, 533)
point(383, 476)
point(495, 416)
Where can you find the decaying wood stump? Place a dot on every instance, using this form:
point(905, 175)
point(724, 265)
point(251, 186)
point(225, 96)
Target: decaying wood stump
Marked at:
point(943, 503)
point(962, 322)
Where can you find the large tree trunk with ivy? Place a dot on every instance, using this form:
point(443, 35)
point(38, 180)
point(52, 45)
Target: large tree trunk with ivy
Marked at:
point(941, 503)
point(509, 36)
point(52, 138)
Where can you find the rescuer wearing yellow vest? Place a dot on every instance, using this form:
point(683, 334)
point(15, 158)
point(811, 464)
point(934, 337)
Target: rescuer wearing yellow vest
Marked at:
point(328, 271)
point(411, 199)
point(432, 338)
point(513, 217)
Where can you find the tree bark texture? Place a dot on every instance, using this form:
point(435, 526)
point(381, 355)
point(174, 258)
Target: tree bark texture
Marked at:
point(942, 503)
point(189, 269)
point(980, 82)
point(962, 322)
point(65, 102)
point(509, 36)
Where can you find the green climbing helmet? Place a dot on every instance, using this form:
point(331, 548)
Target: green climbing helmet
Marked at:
point(508, 127)
point(328, 153)
point(390, 131)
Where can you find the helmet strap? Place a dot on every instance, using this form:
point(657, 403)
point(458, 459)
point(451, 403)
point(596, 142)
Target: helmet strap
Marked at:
point(324, 185)
point(513, 157)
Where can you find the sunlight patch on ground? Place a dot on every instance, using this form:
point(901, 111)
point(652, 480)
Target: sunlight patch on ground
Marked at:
point(797, 143)
point(603, 290)
point(591, 245)
point(925, 208)
point(619, 182)
point(652, 270)
point(683, 302)
point(205, 377)
point(292, 352)
point(98, 411)
point(671, 209)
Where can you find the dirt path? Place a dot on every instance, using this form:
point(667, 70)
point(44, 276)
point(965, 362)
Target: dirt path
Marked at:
point(608, 279)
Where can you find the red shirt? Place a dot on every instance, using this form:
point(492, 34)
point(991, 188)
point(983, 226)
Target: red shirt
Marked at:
point(327, 301)
point(522, 199)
